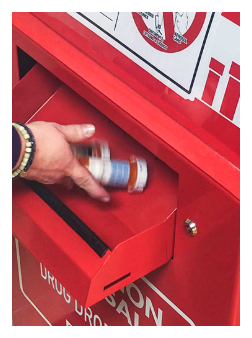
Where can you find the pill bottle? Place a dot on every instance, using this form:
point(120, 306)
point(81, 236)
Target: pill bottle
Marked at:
point(131, 175)
point(96, 148)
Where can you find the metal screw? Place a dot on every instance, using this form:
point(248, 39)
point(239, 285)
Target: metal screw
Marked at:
point(190, 227)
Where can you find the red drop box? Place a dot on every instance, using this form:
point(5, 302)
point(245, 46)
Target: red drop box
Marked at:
point(137, 229)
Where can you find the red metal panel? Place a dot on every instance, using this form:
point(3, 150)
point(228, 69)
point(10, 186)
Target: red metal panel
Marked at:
point(33, 91)
point(109, 95)
point(23, 312)
point(137, 304)
point(196, 116)
point(15, 70)
point(200, 285)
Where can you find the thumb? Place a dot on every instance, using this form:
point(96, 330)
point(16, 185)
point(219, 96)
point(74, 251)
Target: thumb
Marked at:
point(76, 132)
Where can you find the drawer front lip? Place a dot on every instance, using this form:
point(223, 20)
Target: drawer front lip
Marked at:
point(84, 274)
point(49, 290)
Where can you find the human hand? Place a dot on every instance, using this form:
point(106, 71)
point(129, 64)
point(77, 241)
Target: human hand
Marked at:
point(54, 161)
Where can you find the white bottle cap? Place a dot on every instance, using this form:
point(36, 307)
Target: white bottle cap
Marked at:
point(142, 174)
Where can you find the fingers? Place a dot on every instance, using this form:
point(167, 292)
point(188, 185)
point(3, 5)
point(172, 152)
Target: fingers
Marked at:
point(76, 132)
point(66, 182)
point(82, 177)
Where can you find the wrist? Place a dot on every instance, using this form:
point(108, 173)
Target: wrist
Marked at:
point(22, 150)
point(27, 150)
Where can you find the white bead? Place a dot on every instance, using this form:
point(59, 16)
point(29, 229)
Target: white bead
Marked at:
point(21, 167)
point(28, 150)
point(27, 156)
point(23, 163)
point(21, 128)
point(28, 144)
point(26, 136)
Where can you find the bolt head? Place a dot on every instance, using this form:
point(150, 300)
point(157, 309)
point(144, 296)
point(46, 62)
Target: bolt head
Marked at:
point(190, 228)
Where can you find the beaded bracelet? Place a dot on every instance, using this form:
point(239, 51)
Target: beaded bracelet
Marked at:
point(29, 150)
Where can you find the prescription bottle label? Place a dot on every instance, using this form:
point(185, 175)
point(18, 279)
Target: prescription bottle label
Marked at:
point(112, 173)
point(120, 172)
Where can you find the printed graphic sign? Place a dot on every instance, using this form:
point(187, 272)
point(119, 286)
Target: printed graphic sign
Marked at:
point(178, 49)
point(169, 32)
point(168, 45)
point(137, 304)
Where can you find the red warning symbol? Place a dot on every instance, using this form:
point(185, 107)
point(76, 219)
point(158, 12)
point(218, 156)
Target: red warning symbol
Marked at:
point(169, 32)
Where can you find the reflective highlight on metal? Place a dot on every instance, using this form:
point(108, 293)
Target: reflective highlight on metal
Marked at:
point(190, 227)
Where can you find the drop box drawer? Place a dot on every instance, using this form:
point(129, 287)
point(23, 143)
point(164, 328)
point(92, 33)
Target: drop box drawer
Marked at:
point(131, 235)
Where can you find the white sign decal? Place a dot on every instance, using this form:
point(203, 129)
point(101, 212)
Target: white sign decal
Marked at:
point(177, 48)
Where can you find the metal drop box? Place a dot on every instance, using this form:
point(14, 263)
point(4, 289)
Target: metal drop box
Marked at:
point(153, 272)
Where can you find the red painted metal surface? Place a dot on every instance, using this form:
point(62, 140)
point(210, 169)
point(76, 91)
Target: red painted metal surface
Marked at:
point(110, 95)
point(142, 239)
point(15, 72)
point(200, 285)
point(197, 117)
point(33, 91)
